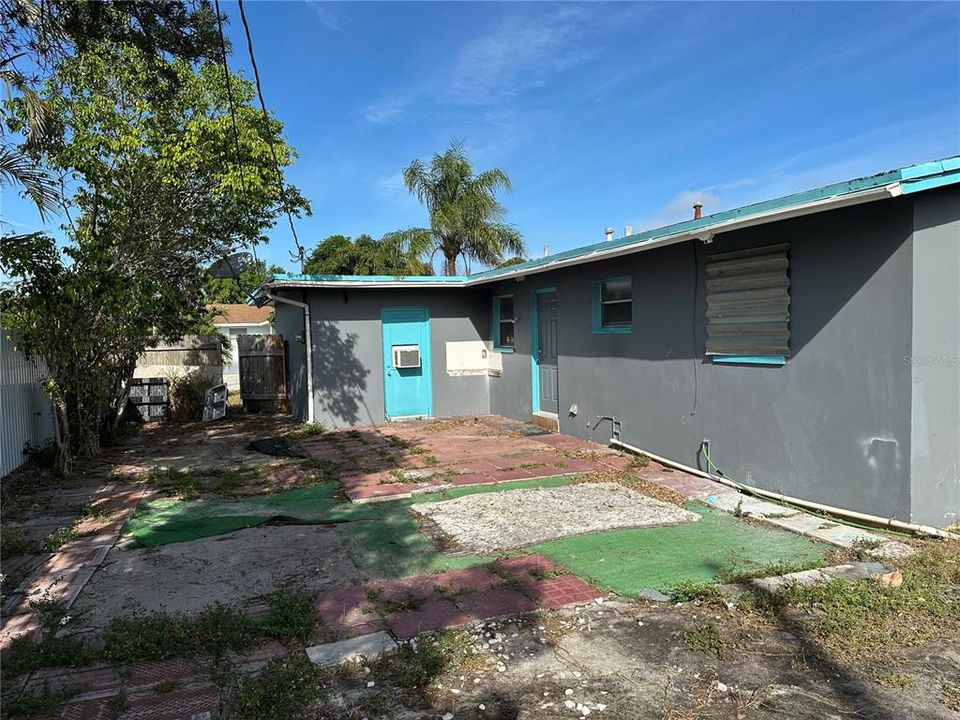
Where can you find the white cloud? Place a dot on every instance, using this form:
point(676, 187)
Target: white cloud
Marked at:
point(386, 109)
point(678, 209)
point(524, 51)
point(324, 12)
point(391, 185)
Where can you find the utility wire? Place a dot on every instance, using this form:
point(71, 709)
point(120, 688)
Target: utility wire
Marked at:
point(233, 121)
point(301, 253)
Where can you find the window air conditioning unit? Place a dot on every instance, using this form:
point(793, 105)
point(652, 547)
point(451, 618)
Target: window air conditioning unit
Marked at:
point(406, 356)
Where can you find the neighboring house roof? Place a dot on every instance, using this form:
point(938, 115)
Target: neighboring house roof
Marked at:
point(893, 183)
point(230, 314)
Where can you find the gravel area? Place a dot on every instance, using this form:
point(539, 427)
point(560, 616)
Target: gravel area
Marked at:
point(487, 522)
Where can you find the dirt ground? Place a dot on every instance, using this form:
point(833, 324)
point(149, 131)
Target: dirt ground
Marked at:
point(621, 661)
point(489, 522)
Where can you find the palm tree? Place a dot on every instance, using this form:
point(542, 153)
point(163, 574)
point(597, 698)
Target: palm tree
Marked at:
point(466, 219)
point(16, 167)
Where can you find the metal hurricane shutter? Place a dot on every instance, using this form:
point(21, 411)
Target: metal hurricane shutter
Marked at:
point(748, 302)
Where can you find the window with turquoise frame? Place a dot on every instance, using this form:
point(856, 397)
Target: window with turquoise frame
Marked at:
point(504, 323)
point(613, 305)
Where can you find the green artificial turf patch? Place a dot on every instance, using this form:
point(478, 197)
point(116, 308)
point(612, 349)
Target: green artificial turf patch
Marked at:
point(167, 521)
point(718, 546)
point(388, 542)
point(384, 537)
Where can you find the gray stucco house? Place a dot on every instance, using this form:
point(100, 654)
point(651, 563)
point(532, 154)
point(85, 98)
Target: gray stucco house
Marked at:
point(812, 339)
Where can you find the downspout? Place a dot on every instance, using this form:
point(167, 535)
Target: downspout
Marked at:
point(307, 342)
point(852, 515)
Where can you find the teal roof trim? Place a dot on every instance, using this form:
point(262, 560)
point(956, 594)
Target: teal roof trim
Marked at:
point(912, 179)
point(412, 279)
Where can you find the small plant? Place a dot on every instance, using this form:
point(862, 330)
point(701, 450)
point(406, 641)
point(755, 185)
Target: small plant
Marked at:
point(291, 616)
point(707, 639)
point(116, 706)
point(687, 591)
point(306, 430)
point(220, 628)
point(951, 695)
point(187, 393)
point(638, 462)
point(431, 461)
point(44, 455)
point(39, 702)
point(16, 541)
point(231, 480)
point(738, 510)
point(24, 655)
point(147, 637)
point(186, 483)
point(286, 690)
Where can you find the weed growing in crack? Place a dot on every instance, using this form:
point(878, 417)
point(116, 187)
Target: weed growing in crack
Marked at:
point(291, 616)
point(707, 639)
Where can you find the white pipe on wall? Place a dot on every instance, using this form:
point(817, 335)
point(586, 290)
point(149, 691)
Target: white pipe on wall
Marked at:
point(809, 504)
point(307, 342)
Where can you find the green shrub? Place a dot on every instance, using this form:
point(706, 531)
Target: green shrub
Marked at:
point(286, 690)
point(187, 392)
point(220, 628)
point(291, 616)
point(148, 637)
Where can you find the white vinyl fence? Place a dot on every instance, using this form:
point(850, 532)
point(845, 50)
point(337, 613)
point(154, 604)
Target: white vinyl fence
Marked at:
point(25, 412)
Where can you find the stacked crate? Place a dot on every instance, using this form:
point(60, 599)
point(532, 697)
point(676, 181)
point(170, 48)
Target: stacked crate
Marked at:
point(150, 397)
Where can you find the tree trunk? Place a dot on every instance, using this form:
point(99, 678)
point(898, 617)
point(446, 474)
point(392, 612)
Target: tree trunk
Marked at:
point(450, 265)
point(61, 434)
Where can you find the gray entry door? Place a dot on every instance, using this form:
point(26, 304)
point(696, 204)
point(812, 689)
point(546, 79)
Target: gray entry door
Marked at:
point(548, 318)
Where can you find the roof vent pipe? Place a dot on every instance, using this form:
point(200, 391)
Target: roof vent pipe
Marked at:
point(627, 230)
point(608, 234)
point(697, 207)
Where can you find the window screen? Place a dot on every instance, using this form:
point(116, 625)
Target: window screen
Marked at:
point(748, 302)
point(616, 302)
point(505, 323)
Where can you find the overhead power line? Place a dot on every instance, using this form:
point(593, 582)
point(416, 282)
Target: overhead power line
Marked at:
point(301, 253)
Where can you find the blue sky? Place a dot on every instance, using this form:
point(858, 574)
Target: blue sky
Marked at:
point(602, 114)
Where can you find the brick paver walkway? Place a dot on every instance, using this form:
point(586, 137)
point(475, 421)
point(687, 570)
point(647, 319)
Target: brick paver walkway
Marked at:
point(61, 577)
point(400, 459)
point(410, 606)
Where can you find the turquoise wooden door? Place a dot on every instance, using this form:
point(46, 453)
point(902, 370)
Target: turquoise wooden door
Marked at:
point(407, 389)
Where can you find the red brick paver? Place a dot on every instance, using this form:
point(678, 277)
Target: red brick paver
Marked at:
point(563, 590)
point(494, 602)
point(432, 615)
point(525, 566)
point(475, 578)
point(347, 612)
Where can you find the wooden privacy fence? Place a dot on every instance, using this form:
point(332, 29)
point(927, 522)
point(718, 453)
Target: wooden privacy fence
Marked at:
point(193, 353)
point(263, 372)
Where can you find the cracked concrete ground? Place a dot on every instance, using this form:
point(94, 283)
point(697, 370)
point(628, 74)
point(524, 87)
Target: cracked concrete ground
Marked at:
point(237, 567)
point(621, 661)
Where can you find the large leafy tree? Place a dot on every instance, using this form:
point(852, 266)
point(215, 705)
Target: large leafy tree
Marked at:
point(239, 289)
point(396, 253)
point(37, 35)
point(165, 175)
point(466, 219)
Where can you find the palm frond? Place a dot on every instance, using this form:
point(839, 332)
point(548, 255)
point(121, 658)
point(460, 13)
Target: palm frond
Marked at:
point(39, 115)
point(17, 169)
